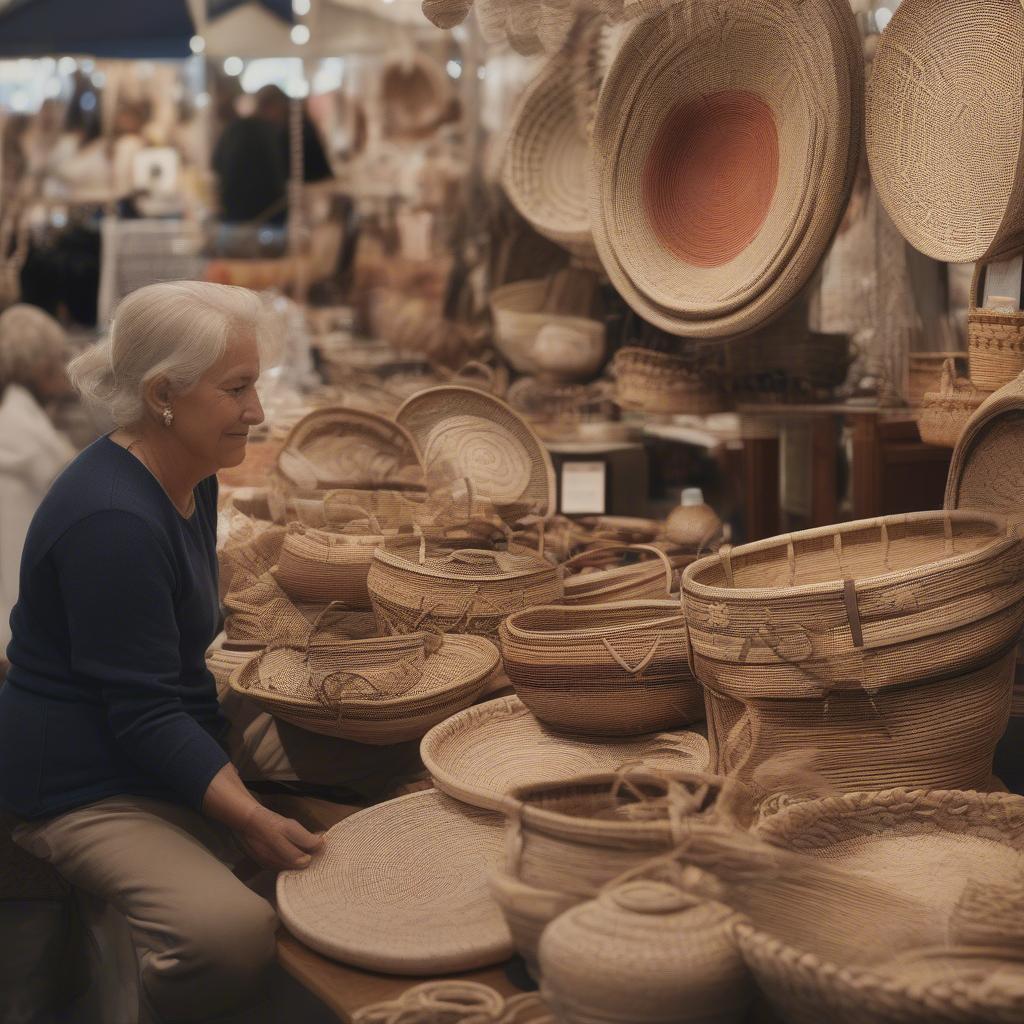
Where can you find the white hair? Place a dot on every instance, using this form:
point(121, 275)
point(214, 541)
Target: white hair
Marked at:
point(30, 342)
point(176, 330)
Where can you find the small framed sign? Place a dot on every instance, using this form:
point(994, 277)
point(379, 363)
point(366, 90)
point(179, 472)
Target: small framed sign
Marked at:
point(583, 488)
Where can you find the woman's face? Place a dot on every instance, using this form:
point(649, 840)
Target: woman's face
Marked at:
point(212, 420)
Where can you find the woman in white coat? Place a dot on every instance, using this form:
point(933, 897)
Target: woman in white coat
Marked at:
point(33, 355)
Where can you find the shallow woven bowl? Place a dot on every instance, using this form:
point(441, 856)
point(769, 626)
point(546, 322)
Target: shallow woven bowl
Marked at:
point(465, 434)
point(608, 670)
point(336, 447)
point(481, 754)
point(961, 854)
point(402, 888)
point(725, 146)
point(953, 185)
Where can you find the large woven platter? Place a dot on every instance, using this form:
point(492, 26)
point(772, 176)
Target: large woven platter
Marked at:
point(464, 434)
point(402, 888)
point(481, 754)
point(944, 126)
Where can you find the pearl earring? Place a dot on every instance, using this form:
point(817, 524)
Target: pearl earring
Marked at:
point(168, 416)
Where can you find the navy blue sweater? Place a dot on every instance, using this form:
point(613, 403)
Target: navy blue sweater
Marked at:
point(108, 691)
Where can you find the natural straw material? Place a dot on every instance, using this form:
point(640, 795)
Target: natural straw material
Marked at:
point(663, 382)
point(952, 183)
point(884, 642)
point(623, 572)
point(725, 145)
point(956, 856)
point(381, 690)
point(465, 434)
point(925, 373)
point(480, 755)
point(446, 13)
point(995, 340)
point(402, 888)
point(607, 670)
point(944, 413)
point(646, 953)
point(456, 1002)
point(338, 447)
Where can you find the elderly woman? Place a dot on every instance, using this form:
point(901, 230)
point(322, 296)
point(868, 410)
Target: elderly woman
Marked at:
point(113, 748)
point(33, 353)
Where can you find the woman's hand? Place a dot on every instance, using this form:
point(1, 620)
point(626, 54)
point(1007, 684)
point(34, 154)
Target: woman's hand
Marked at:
point(277, 842)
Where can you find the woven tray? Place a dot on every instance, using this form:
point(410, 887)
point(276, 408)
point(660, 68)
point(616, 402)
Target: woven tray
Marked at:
point(465, 434)
point(480, 755)
point(608, 670)
point(402, 888)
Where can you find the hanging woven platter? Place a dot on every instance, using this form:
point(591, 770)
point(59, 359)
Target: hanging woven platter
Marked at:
point(481, 754)
point(402, 888)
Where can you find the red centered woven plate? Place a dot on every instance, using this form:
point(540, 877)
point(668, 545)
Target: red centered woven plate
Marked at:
point(710, 177)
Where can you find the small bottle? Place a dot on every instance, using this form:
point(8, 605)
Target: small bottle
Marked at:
point(692, 524)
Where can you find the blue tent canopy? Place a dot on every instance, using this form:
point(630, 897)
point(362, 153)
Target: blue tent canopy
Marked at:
point(108, 28)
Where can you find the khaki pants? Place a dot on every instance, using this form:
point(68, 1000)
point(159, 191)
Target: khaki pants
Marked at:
point(202, 939)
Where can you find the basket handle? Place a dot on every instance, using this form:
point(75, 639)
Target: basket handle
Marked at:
point(364, 513)
point(583, 556)
point(298, 469)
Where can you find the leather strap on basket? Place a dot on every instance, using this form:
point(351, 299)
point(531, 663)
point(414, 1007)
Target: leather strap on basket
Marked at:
point(853, 612)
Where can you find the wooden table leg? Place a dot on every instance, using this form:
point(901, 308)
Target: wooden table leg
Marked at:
point(824, 471)
point(867, 466)
point(761, 494)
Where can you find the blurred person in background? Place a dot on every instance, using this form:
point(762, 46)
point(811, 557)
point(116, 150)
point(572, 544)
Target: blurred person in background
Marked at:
point(33, 354)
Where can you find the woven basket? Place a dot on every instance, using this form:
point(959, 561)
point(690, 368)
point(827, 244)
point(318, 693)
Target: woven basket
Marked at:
point(222, 661)
point(402, 888)
point(381, 690)
point(545, 161)
point(623, 572)
point(647, 953)
point(925, 373)
point(659, 382)
point(959, 855)
point(718, 182)
point(334, 447)
point(453, 1001)
point(888, 643)
point(535, 341)
point(995, 340)
point(606, 670)
point(528, 911)
point(480, 755)
point(462, 591)
point(944, 414)
point(954, 188)
point(467, 435)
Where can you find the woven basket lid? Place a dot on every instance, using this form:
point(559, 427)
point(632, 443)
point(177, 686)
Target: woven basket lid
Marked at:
point(402, 888)
point(725, 146)
point(546, 156)
point(945, 125)
point(336, 447)
point(481, 754)
point(987, 471)
point(465, 434)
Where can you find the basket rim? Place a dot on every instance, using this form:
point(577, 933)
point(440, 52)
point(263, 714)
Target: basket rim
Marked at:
point(660, 612)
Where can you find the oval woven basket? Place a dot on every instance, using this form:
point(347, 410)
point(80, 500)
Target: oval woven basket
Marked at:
point(381, 690)
point(461, 591)
point(534, 341)
point(724, 148)
point(402, 888)
point(957, 855)
point(884, 642)
point(467, 435)
point(660, 382)
point(607, 670)
point(481, 754)
point(623, 572)
point(925, 373)
point(995, 340)
point(954, 188)
point(944, 413)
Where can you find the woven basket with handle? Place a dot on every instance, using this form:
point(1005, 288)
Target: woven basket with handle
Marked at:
point(623, 572)
point(995, 340)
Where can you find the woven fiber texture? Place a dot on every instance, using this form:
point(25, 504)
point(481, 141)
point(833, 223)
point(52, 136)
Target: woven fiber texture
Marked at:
point(663, 382)
point(456, 1002)
point(608, 670)
point(461, 591)
point(467, 435)
point(480, 755)
point(953, 185)
point(888, 643)
point(447, 13)
point(958, 857)
point(925, 373)
point(944, 413)
point(623, 572)
point(259, 612)
point(402, 888)
point(337, 447)
point(724, 150)
point(381, 690)
point(995, 340)
point(647, 953)
point(223, 661)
